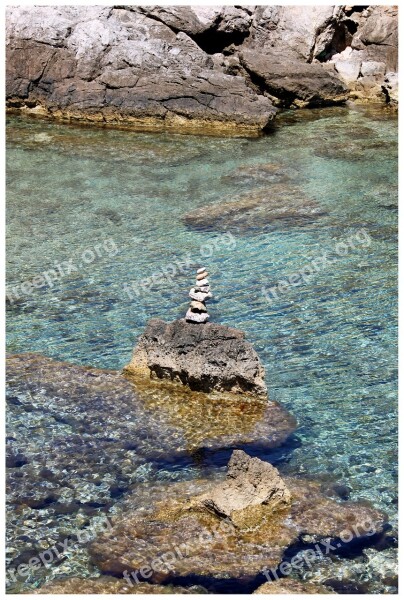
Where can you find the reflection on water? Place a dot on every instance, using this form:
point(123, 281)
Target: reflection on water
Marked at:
point(328, 344)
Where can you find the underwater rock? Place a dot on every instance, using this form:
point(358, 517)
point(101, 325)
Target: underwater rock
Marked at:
point(209, 358)
point(349, 150)
point(250, 482)
point(78, 438)
point(372, 571)
point(257, 174)
point(257, 210)
point(176, 536)
point(292, 586)
point(109, 585)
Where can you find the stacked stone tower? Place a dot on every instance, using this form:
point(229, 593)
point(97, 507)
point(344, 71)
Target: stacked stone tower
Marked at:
point(197, 312)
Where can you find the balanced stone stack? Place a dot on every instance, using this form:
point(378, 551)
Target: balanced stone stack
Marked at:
point(197, 312)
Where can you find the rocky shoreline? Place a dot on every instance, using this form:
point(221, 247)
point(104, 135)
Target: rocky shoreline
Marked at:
point(225, 70)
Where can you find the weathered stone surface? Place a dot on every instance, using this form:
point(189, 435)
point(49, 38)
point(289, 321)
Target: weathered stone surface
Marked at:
point(208, 358)
point(304, 31)
point(371, 52)
point(250, 482)
point(178, 537)
point(209, 69)
point(292, 82)
point(120, 65)
point(257, 210)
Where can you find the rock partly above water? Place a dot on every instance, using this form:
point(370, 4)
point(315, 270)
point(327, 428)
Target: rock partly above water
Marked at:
point(197, 69)
point(257, 210)
point(250, 482)
point(176, 535)
point(78, 438)
point(205, 357)
point(292, 82)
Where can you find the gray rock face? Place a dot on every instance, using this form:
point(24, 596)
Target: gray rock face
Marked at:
point(250, 482)
point(121, 65)
point(206, 357)
point(292, 82)
point(212, 69)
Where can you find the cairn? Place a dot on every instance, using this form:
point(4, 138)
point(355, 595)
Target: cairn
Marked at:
point(197, 312)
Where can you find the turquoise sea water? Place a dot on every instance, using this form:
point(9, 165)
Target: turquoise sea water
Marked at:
point(97, 212)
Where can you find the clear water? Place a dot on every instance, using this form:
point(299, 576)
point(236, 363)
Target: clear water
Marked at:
point(111, 202)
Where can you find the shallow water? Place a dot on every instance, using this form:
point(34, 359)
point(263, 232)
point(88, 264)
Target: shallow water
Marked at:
point(110, 204)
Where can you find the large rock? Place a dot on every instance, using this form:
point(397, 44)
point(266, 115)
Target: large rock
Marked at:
point(292, 82)
point(250, 482)
point(195, 69)
point(371, 52)
point(303, 30)
point(119, 65)
point(206, 357)
point(175, 536)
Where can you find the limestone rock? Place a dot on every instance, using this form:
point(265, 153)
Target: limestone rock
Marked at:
point(198, 305)
point(195, 316)
point(293, 82)
point(198, 294)
point(390, 88)
point(120, 65)
point(207, 358)
point(250, 482)
point(348, 64)
point(210, 69)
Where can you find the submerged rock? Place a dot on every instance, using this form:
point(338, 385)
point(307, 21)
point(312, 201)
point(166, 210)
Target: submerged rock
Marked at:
point(79, 438)
point(292, 586)
point(257, 174)
point(257, 210)
point(177, 536)
point(109, 585)
point(206, 358)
